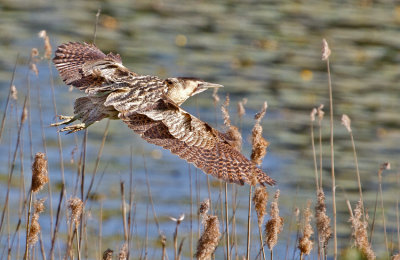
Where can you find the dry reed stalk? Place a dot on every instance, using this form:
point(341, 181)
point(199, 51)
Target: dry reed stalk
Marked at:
point(384, 166)
point(359, 231)
point(274, 226)
point(108, 254)
point(323, 222)
point(320, 114)
point(347, 124)
point(260, 200)
point(123, 207)
point(178, 221)
point(57, 225)
point(305, 243)
point(209, 238)
point(325, 56)
point(312, 119)
point(163, 240)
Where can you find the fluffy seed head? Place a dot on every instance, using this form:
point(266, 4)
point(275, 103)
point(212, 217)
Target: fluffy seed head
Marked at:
point(323, 221)
point(75, 205)
point(209, 238)
point(275, 224)
point(326, 52)
point(259, 144)
point(14, 92)
point(123, 252)
point(108, 254)
point(305, 243)
point(346, 122)
point(39, 172)
point(260, 200)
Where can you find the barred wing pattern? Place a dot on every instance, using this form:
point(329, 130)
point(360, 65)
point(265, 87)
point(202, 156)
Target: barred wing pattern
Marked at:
point(220, 160)
point(141, 102)
point(87, 68)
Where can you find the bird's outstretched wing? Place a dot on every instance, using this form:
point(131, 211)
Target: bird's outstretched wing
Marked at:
point(87, 68)
point(191, 139)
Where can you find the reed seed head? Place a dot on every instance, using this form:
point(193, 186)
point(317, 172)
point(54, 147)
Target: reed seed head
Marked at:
point(240, 107)
point(215, 96)
point(75, 205)
point(209, 238)
point(320, 113)
point(346, 122)
point(323, 221)
point(233, 132)
point(123, 252)
point(34, 229)
point(313, 114)
point(47, 46)
point(225, 112)
point(14, 93)
point(108, 254)
point(360, 235)
point(203, 210)
point(260, 200)
point(39, 172)
point(274, 226)
point(259, 144)
point(305, 243)
point(326, 52)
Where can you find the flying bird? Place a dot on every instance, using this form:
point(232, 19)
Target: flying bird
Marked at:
point(150, 106)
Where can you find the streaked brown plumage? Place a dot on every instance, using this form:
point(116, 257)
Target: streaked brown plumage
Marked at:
point(150, 106)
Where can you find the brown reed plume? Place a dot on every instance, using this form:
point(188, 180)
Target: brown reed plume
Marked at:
point(259, 144)
point(323, 222)
point(274, 226)
point(47, 46)
point(39, 172)
point(232, 131)
point(305, 243)
point(209, 238)
point(34, 228)
point(123, 252)
point(359, 231)
point(75, 205)
point(260, 200)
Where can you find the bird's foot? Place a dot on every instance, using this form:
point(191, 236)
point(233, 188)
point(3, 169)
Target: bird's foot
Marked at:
point(66, 120)
point(73, 128)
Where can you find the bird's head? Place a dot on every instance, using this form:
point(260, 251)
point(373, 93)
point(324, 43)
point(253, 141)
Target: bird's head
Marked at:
point(180, 89)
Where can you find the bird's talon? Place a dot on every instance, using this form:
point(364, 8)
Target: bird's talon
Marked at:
point(73, 128)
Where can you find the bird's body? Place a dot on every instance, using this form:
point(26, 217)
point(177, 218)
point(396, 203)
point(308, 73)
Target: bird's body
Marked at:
point(150, 106)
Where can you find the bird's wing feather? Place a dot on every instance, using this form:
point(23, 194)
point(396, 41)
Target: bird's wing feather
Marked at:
point(219, 159)
point(85, 67)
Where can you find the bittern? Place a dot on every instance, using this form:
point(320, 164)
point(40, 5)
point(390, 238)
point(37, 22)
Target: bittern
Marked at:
point(150, 106)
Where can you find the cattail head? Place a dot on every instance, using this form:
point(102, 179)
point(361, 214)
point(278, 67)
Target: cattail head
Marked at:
point(39, 172)
point(323, 221)
point(75, 205)
point(203, 209)
point(108, 254)
point(259, 144)
point(305, 243)
point(359, 228)
point(260, 200)
point(47, 46)
point(346, 122)
point(275, 224)
point(326, 52)
point(209, 238)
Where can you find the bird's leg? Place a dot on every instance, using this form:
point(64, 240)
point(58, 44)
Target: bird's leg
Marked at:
point(71, 128)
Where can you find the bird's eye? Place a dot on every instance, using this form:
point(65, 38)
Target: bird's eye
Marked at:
point(168, 81)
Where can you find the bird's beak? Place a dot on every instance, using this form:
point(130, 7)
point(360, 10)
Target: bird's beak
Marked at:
point(205, 85)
